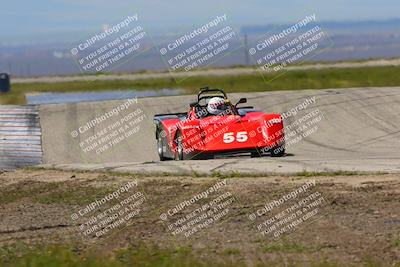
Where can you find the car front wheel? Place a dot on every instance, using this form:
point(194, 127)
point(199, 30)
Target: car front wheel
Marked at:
point(160, 148)
point(179, 154)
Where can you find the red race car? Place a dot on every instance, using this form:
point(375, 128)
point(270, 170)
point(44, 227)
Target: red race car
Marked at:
point(214, 126)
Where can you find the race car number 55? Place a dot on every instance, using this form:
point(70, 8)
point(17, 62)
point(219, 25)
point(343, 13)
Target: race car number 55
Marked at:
point(240, 137)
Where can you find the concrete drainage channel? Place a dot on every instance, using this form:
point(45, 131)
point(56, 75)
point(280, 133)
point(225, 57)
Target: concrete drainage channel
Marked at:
point(20, 137)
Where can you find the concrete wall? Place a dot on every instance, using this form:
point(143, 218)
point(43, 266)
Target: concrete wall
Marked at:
point(357, 123)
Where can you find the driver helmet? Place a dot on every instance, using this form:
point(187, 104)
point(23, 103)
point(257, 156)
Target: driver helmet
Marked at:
point(216, 105)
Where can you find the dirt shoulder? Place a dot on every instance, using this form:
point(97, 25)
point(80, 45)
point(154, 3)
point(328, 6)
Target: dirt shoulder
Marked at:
point(357, 222)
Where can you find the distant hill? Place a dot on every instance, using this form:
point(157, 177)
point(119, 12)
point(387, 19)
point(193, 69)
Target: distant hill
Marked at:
point(331, 26)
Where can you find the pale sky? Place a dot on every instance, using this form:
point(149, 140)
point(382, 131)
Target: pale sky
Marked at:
point(30, 17)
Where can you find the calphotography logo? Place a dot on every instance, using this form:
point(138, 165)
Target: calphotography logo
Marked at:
point(112, 128)
point(112, 211)
point(202, 211)
point(113, 46)
point(200, 47)
point(285, 214)
point(290, 45)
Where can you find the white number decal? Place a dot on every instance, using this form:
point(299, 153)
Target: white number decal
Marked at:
point(240, 137)
point(228, 138)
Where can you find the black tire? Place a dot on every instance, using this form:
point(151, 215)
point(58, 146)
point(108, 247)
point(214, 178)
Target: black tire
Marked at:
point(278, 151)
point(179, 154)
point(160, 148)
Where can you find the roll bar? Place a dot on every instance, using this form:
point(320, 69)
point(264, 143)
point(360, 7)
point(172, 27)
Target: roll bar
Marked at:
point(207, 90)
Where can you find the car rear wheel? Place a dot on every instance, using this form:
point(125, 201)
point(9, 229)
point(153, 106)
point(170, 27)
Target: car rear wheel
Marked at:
point(278, 151)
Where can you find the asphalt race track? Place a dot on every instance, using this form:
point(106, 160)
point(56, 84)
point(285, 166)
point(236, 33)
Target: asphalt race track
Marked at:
point(359, 130)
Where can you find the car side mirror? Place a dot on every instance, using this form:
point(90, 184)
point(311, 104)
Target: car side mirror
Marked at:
point(193, 104)
point(241, 101)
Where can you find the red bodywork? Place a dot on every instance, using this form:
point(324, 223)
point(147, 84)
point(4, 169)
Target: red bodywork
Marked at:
point(251, 131)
